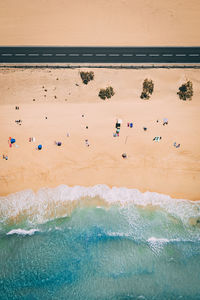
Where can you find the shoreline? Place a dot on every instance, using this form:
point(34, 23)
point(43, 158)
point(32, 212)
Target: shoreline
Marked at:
point(53, 203)
point(93, 200)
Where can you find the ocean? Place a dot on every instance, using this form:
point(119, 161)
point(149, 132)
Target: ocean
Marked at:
point(89, 243)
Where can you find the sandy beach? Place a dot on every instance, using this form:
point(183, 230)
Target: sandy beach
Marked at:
point(100, 23)
point(52, 103)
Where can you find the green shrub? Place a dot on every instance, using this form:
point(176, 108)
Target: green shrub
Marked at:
point(87, 76)
point(148, 87)
point(186, 91)
point(106, 93)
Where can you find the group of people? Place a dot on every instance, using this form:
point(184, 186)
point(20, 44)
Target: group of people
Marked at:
point(156, 138)
point(117, 126)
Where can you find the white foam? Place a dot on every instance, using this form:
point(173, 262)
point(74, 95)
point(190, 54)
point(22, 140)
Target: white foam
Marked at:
point(157, 240)
point(48, 204)
point(118, 234)
point(22, 231)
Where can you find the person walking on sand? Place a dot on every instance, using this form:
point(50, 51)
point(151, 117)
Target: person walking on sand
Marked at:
point(176, 145)
point(165, 121)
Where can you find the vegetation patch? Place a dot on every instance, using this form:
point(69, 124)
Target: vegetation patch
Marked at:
point(148, 87)
point(87, 76)
point(106, 93)
point(186, 91)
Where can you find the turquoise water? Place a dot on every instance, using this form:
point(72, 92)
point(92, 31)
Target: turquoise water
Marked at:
point(131, 246)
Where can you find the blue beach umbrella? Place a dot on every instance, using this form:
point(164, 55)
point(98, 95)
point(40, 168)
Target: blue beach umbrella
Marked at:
point(39, 147)
point(12, 141)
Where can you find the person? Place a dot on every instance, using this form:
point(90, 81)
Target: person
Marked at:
point(58, 143)
point(87, 143)
point(176, 145)
point(165, 121)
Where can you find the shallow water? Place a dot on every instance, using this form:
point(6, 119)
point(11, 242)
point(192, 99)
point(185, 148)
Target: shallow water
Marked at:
point(114, 244)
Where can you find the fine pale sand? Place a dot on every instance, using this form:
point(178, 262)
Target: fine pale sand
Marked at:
point(100, 22)
point(153, 166)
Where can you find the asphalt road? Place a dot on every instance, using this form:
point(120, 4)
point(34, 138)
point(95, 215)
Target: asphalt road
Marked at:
point(99, 54)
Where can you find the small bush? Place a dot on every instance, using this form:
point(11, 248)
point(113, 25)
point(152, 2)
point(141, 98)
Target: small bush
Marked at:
point(186, 91)
point(106, 93)
point(102, 94)
point(148, 87)
point(87, 76)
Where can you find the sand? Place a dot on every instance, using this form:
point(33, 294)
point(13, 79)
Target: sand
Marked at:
point(100, 22)
point(150, 166)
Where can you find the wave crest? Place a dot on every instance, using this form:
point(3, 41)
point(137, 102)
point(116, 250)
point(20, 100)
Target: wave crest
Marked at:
point(20, 231)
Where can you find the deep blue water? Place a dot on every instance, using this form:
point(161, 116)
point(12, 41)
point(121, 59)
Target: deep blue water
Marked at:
point(116, 253)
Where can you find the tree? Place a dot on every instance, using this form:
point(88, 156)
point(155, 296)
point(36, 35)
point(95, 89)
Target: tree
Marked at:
point(106, 93)
point(148, 88)
point(186, 91)
point(87, 76)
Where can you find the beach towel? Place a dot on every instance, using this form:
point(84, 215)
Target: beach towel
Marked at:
point(157, 138)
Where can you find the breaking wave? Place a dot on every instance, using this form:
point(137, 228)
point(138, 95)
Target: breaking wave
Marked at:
point(22, 231)
point(51, 203)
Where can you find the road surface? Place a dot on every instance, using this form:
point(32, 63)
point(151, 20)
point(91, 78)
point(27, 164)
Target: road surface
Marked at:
point(99, 54)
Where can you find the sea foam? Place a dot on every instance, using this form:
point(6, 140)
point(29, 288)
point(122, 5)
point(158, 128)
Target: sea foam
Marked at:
point(50, 203)
point(22, 231)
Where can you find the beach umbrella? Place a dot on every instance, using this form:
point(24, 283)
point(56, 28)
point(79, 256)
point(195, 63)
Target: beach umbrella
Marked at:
point(39, 147)
point(12, 141)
